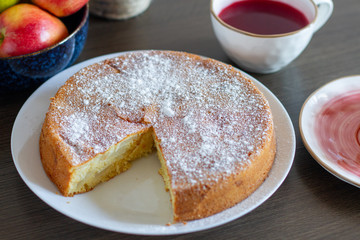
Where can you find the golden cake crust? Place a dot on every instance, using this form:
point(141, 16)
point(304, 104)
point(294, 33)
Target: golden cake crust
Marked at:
point(212, 128)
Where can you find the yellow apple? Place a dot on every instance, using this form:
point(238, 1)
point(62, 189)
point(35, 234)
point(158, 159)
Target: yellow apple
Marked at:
point(4, 4)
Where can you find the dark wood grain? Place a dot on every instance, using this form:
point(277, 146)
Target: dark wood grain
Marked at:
point(310, 204)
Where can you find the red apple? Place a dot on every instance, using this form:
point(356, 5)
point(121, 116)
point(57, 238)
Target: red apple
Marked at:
point(61, 8)
point(25, 28)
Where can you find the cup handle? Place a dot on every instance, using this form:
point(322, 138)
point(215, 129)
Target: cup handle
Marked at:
point(324, 11)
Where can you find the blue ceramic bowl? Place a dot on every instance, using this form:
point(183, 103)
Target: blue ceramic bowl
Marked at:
point(29, 71)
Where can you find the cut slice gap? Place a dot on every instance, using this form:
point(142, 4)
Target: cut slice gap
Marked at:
point(111, 163)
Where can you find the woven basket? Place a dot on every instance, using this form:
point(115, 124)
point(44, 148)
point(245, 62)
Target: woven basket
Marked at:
point(118, 9)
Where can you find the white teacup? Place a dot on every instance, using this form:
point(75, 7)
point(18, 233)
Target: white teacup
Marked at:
point(269, 53)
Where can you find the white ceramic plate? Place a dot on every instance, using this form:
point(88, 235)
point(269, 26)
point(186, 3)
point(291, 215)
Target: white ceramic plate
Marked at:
point(307, 124)
point(133, 202)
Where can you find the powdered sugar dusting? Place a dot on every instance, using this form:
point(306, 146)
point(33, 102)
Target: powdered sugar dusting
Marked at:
point(207, 117)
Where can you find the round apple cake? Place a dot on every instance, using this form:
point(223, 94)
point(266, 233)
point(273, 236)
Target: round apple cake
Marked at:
point(211, 127)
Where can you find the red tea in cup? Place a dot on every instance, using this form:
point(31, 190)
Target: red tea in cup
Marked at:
point(264, 17)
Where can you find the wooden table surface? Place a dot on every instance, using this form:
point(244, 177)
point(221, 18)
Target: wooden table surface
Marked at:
point(310, 204)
